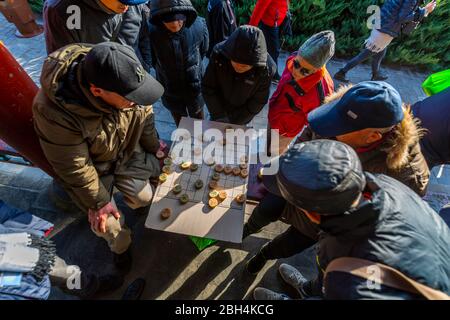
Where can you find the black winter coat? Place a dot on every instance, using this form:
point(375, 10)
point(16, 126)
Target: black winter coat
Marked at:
point(98, 24)
point(393, 226)
point(177, 57)
point(396, 14)
point(235, 97)
point(221, 20)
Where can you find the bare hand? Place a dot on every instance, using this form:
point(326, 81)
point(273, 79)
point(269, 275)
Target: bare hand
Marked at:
point(98, 218)
point(429, 8)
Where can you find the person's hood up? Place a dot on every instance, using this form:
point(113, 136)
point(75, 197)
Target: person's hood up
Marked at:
point(54, 71)
point(246, 45)
point(405, 135)
point(161, 7)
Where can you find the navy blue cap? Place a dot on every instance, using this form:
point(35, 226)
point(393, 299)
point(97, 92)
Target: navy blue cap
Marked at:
point(133, 2)
point(370, 104)
point(321, 176)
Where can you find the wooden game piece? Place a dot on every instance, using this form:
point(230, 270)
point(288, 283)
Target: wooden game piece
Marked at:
point(160, 154)
point(166, 169)
point(216, 176)
point(184, 199)
point(177, 189)
point(199, 184)
point(244, 173)
point(166, 213)
point(236, 171)
point(213, 203)
point(260, 174)
point(228, 170)
point(194, 167)
point(244, 159)
point(185, 165)
point(241, 198)
point(243, 166)
point(219, 168)
point(210, 161)
point(222, 195)
point(213, 185)
point(214, 194)
point(167, 161)
point(162, 177)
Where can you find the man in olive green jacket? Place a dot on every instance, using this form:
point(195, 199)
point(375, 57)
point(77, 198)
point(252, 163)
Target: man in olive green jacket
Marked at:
point(95, 122)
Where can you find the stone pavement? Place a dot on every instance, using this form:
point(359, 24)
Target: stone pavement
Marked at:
point(172, 266)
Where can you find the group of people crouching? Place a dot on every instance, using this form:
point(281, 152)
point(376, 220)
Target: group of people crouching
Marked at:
point(350, 184)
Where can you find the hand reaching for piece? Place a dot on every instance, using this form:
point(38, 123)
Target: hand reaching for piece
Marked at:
point(98, 218)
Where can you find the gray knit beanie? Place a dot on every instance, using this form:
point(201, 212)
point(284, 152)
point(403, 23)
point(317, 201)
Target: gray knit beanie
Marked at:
point(318, 49)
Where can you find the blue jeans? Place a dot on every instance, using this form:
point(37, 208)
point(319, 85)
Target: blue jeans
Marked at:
point(445, 214)
point(377, 58)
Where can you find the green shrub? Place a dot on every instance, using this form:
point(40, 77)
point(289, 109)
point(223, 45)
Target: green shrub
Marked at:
point(428, 47)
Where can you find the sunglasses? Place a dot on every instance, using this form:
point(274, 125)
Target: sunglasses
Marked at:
point(304, 71)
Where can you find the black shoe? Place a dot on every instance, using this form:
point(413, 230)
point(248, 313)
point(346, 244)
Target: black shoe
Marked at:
point(93, 285)
point(123, 261)
point(379, 77)
point(134, 290)
point(340, 76)
point(255, 264)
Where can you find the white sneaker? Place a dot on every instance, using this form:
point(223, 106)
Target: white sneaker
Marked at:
point(293, 277)
point(266, 294)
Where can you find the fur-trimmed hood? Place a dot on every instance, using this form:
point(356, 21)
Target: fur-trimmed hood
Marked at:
point(405, 135)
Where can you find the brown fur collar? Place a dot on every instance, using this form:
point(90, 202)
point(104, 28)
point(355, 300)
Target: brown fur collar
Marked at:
point(405, 135)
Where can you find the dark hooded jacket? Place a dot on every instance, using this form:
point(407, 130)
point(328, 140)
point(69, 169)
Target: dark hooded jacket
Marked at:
point(396, 15)
point(392, 226)
point(228, 94)
point(398, 156)
point(177, 57)
point(98, 24)
point(221, 20)
point(434, 114)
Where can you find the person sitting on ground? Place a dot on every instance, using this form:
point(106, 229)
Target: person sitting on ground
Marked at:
point(237, 81)
point(371, 118)
point(360, 215)
point(397, 18)
point(221, 21)
point(121, 21)
point(95, 122)
point(303, 87)
point(179, 41)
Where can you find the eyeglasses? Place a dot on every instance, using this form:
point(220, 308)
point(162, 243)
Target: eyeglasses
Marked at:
point(304, 71)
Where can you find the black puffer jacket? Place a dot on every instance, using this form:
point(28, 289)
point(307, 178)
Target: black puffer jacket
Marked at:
point(177, 57)
point(98, 24)
point(221, 21)
point(228, 94)
point(393, 226)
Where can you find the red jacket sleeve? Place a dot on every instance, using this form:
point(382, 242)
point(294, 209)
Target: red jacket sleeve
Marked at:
point(258, 12)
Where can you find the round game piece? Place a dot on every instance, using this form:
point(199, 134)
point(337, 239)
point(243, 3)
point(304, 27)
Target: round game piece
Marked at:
point(244, 173)
point(177, 189)
point(184, 199)
point(219, 168)
point(197, 151)
point(185, 165)
point(236, 171)
point(167, 161)
point(210, 161)
point(244, 159)
point(228, 170)
point(213, 203)
point(243, 166)
point(160, 154)
point(194, 167)
point(214, 194)
point(222, 195)
point(213, 185)
point(165, 213)
point(162, 177)
point(199, 184)
point(260, 174)
point(216, 176)
point(166, 169)
point(241, 198)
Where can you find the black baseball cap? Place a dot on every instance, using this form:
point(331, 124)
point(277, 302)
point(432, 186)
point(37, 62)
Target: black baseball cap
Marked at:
point(321, 176)
point(370, 104)
point(115, 67)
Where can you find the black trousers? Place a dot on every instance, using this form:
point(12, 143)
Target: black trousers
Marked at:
point(286, 244)
point(273, 41)
point(377, 58)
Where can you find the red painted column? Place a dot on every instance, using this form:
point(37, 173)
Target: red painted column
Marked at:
point(17, 92)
